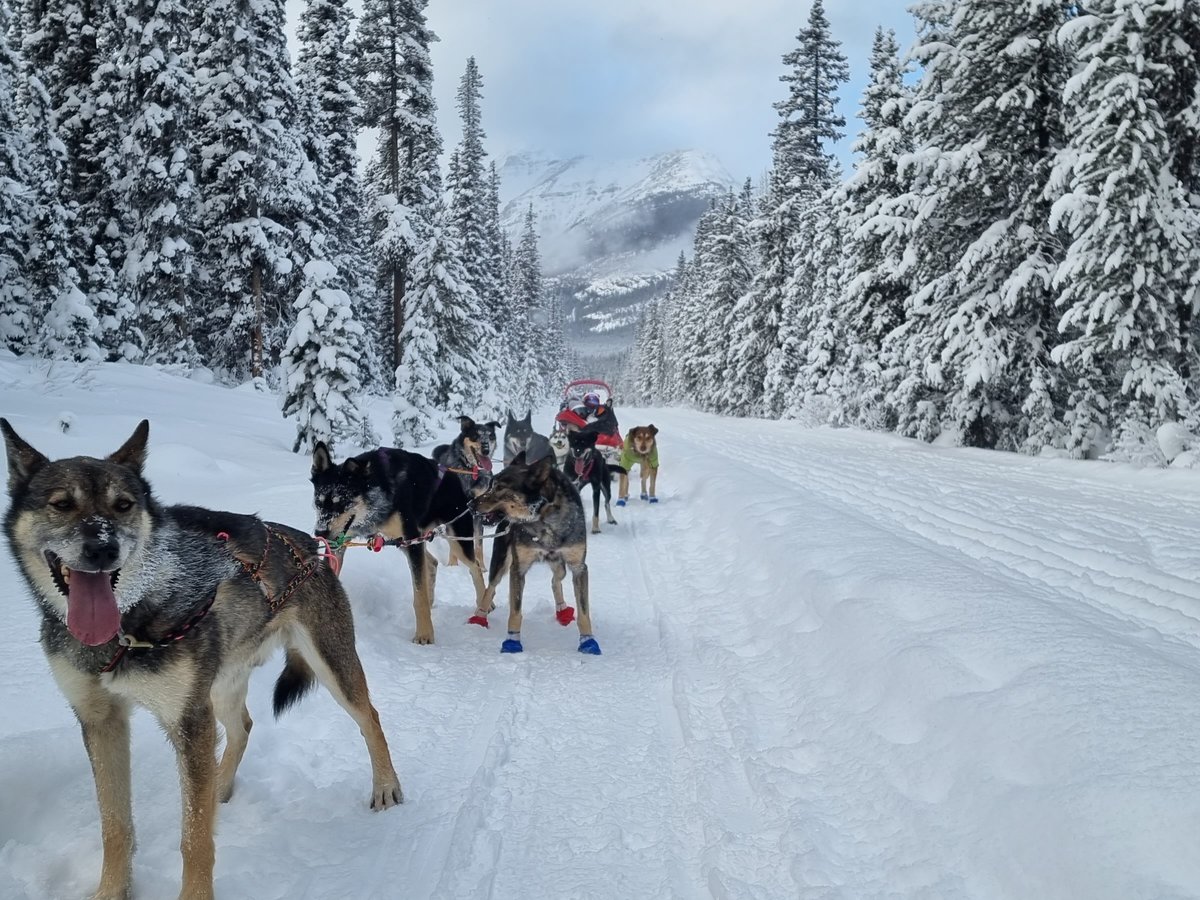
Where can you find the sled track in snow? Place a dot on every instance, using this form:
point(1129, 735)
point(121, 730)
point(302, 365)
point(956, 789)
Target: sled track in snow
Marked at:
point(1129, 589)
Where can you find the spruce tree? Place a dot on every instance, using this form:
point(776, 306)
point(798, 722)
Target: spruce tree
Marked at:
point(394, 79)
point(95, 146)
point(875, 288)
point(333, 107)
point(475, 210)
point(250, 180)
point(432, 378)
point(802, 171)
point(18, 315)
point(729, 280)
point(155, 178)
point(67, 319)
point(1132, 262)
point(321, 365)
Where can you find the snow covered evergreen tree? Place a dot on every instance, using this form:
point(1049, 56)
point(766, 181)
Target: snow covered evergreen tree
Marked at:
point(334, 110)
point(18, 319)
point(155, 180)
point(95, 137)
point(441, 316)
point(530, 326)
point(474, 205)
point(692, 316)
point(1132, 262)
point(394, 79)
point(802, 171)
point(873, 297)
point(251, 182)
point(1000, 126)
point(913, 380)
point(67, 320)
point(321, 365)
point(727, 265)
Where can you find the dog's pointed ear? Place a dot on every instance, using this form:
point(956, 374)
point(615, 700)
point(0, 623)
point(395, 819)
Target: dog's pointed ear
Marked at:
point(23, 460)
point(528, 417)
point(321, 460)
point(511, 417)
point(543, 468)
point(492, 424)
point(133, 451)
point(466, 423)
point(653, 430)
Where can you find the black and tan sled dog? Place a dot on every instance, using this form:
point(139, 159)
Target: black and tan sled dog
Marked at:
point(541, 520)
point(469, 455)
point(585, 465)
point(402, 497)
point(171, 607)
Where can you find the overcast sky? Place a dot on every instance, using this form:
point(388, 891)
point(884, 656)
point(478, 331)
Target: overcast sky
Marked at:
point(628, 78)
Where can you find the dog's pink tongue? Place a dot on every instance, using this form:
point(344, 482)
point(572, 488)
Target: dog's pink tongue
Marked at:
point(485, 463)
point(92, 614)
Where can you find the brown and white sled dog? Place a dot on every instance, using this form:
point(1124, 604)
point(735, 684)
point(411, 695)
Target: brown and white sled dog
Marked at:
point(171, 607)
point(640, 449)
point(541, 520)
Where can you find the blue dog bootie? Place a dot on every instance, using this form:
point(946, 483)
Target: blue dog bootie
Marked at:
point(620, 501)
point(653, 499)
point(512, 643)
point(645, 496)
point(588, 645)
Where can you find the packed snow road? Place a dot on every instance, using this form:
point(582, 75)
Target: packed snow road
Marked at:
point(836, 665)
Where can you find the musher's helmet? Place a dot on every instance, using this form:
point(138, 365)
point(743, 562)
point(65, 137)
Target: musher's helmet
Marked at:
point(591, 400)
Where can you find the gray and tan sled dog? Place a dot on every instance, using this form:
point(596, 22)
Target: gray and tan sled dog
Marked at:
point(541, 519)
point(519, 437)
point(171, 607)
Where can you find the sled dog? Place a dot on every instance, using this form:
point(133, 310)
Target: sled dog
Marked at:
point(640, 449)
point(401, 496)
point(470, 453)
point(519, 437)
point(585, 465)
point(541, 520)
point(171, 607)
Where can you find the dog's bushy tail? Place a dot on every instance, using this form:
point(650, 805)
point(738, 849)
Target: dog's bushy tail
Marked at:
point(294, 682)
point(617, 470)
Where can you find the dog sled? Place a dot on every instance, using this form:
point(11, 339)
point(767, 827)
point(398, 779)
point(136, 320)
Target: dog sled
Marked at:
point(587, 405)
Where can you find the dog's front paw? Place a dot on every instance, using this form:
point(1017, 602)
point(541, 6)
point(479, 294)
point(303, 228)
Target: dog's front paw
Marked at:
point(588, 645)
point(653, 499)
point(596, 530)
point(422, 637)
point(512, 645)
point(645, 496)
point(386, 796)
point(621, 501)
point(104, 894)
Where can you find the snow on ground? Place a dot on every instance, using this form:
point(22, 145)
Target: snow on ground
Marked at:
point(836, 665)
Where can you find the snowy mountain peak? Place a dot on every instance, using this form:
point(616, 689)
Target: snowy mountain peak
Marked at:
point(582, 204)
point(611, 230)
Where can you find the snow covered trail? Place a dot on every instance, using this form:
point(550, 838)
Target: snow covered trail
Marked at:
point(836, 665)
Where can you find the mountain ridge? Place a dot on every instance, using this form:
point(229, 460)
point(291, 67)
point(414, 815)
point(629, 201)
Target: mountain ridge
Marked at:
point(610, 231)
